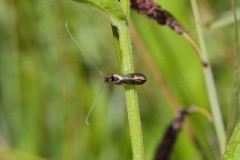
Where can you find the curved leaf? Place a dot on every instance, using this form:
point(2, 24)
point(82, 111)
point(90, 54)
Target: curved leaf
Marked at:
point(233, 149)
point(109, 8)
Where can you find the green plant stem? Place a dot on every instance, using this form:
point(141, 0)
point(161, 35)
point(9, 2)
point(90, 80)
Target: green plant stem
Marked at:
point(124, 54)
point(130, 93)
point(233, 118)
point(117, 45)
point(211, 89)
point(126, 66)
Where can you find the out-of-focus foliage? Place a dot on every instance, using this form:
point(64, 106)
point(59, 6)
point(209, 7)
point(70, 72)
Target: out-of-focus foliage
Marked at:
point(47, 85)
point(232, 150)
point(110, 8)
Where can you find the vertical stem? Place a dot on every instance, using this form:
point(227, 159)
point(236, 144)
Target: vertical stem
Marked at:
point(117, 45)
point(131, 94)
point(211, 89)
point(125, 60)
point(233, 118)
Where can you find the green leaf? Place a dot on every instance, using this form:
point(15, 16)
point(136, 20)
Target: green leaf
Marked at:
point(109, 8)
point(233, 149)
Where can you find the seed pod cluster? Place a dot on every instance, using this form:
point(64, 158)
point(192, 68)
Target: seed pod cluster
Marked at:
point(165, 147)
point(157, 13)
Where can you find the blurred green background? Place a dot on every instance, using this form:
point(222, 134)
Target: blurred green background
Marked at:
point(47, 86)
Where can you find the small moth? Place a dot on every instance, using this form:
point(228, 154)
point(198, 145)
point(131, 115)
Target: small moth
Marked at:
point(133, 78)
point(119, 79)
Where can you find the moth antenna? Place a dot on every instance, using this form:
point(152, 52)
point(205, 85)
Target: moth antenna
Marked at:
point(83, 52)
point(90, 110)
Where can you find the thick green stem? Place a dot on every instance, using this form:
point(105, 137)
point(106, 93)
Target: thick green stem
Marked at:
point(125, 58)
point(126, 66)
point(211, 89)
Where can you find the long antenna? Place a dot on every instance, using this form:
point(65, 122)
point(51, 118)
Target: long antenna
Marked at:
point(90, 110)
point(83, 52)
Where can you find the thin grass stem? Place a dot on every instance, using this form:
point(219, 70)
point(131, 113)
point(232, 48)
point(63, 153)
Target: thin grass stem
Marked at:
point(232, 118)
point(211, 89)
